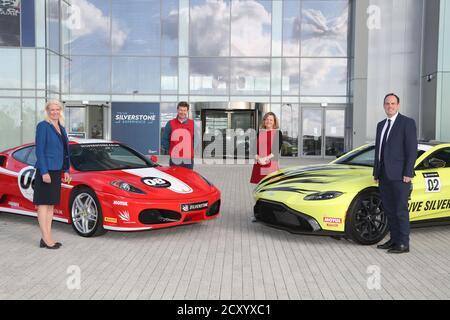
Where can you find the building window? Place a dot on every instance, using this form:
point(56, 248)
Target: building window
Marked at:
point(250, 76)
point(10, 68)
point(136, 27)
point(209, 76)
point(135, 75)
point(323, 77)
point(251, 28)
point(28, 23)
point(209, 28)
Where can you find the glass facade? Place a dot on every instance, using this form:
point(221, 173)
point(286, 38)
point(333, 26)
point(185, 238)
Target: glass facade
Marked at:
point(443, 74)
point(290, 56)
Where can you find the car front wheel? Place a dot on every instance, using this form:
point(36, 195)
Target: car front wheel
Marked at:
point(366, 221)
point(86, 213)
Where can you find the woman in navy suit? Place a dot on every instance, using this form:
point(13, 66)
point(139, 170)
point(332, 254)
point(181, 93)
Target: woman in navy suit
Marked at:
point(52, 153)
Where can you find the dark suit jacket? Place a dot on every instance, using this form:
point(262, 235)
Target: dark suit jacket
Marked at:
point(400, 151)
point(50, 151)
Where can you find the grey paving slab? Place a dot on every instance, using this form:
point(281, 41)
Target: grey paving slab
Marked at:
point(227, 258)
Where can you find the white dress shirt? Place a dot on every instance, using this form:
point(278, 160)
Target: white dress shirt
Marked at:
point(384, 130)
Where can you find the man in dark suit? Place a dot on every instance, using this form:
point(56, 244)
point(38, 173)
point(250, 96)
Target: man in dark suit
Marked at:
point(395, 156)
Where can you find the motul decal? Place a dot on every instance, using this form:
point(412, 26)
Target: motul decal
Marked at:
point(120, 203)
point(332, 220)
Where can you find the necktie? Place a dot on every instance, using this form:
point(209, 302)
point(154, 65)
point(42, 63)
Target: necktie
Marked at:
point(385, 136)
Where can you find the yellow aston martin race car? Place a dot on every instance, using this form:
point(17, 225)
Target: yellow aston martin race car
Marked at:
point(342, 199)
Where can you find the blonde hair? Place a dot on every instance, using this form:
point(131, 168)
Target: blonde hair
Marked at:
point(276, 123)
point(61, 111)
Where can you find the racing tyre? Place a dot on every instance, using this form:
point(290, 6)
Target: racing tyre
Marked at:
point(86, 213)
point(366, 221)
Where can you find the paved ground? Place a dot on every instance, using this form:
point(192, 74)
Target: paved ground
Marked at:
point(228, 258)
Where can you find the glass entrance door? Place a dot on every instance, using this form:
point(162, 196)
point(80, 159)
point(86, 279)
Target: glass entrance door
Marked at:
point(241, 122)
point(231, 127)
point(76, 119)
point(95, 122)
point(334, 142)
point(86, 122)
point(323, 131)
point(215, 124)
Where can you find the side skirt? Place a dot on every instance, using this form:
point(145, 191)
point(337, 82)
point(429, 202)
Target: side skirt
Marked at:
point(29, 214)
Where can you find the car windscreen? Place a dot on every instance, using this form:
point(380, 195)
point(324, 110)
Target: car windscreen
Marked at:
point(105, 157)
point(364, 157)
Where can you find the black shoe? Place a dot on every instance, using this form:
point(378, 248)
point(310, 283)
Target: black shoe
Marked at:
point(387, 245)
point(399, 249)
point(42, 244)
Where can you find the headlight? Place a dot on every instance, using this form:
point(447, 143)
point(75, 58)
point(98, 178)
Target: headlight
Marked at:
point(125, 186)
point(324, 196)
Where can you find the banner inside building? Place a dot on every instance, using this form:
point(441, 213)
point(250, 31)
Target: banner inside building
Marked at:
point(10, 23)
point(136, 125)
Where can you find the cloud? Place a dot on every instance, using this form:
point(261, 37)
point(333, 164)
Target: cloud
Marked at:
point(210, 36)
point(322, 36)
point(251, 29)
point(86, 19)
point(209, 29)
point(324, 76)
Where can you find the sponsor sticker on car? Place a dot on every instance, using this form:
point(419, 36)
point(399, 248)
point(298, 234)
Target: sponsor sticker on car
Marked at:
point(156, 182)
point(26, 182)
point(432, 182)
point(14, 204)
point(125, 217)
point(155, 178)
point(194, 206)
point(110, 220)
point(120, 203)
point(332, 222)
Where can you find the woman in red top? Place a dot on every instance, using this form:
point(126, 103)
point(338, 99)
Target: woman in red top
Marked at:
point(267, 155)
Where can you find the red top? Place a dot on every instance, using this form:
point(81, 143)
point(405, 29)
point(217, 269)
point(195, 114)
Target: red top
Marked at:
point(264, 149)
point(182, 139)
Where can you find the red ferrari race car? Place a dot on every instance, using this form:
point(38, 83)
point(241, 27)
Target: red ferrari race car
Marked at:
point(113, 187)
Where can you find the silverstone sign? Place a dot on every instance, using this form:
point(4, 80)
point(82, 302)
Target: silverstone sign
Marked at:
point(10, 23)
point(137, 125)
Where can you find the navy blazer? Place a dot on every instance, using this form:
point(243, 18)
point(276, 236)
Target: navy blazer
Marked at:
point(400, 153)
point(50, 151)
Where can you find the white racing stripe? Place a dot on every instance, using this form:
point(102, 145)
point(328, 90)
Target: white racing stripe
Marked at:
point(8, 172)
point(16, 174)
point(177, 185)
